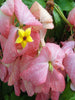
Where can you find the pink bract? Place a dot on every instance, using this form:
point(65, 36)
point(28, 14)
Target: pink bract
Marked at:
point(71, 17)
point(8, 7)
point(38, 72)
point(42, 96)
point(40, 13)
point(52, 94)
point(3, 72)
point(69, 63)
point(10, 51)
point(24, 15)
point(68, 47)
point(4, 24)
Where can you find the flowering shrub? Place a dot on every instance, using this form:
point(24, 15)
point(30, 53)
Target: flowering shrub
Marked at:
point(34, 57)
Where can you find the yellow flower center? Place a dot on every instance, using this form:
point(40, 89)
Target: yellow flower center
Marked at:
point(24, 37)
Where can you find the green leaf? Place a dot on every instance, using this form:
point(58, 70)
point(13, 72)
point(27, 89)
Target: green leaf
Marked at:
point(6, 89)
point(66, 5)
point(14, 97)
point(22, 97)
point(30, 2)
point(67, 94)
point(58, 30)
point(1, 2)
point(73, 98)
point(6, 97)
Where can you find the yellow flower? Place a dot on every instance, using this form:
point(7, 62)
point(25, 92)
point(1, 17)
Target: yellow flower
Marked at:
point(24, 37)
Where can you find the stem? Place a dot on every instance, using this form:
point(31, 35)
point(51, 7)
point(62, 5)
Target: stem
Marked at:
point(62, 16)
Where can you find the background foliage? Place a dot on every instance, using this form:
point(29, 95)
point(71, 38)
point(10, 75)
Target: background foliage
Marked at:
point(58, 33)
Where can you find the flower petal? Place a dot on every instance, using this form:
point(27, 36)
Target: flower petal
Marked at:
point(57, 55)
point(10, 50)
point(2, 41)
point(21, 32)
point(71, 16)
point(57, 81)
point(14, 72)
point(55, 95)
point(24, 15)
point(27, 32)
point(69, 63)
point(19, 40)
point(29, 39)
point(17, 88)
point(3, 72)
point(36, 74)
point(40, 13)
point(4, 24)
point(42, 96)
point(24, 43)
point(8, 7)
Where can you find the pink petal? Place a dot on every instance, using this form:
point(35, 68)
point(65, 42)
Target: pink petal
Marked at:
point(48, 25)
point(17, 88)
point(14, 75)
point(10, 51)
point(36, 74)
point(68, 47)
point(3, 72)
point(24, 62)
point(4, 24)
point(57, 55)
point(70, 44)
point(42, 96)
point(29, 88)
point(55, 95)
point(8, 7)
point(45, 87)
point(40, 13)
point(71, 17)
point(2, 41)
point(72, 86)
point(22, 86)
point(69, 63)
point(24, 15)
point(57, 81)
point(42, 36)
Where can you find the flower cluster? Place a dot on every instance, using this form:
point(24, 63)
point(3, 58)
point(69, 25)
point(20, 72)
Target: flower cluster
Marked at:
point(27, 62)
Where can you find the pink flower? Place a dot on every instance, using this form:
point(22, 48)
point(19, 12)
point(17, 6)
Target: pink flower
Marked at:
point(71, 17)
point(43, 70)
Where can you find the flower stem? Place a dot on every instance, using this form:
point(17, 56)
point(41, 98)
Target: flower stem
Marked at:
point(62, 16)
